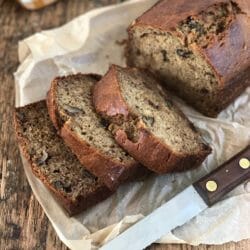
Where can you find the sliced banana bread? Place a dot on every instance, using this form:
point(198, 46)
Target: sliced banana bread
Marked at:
point(72, 112)
point(53, 163)
point(200, 49)
point(146, 123)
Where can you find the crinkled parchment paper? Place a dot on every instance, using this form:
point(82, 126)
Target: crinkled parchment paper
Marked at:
point(89, 44)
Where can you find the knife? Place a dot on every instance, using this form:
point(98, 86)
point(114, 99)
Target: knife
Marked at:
point(185, 205)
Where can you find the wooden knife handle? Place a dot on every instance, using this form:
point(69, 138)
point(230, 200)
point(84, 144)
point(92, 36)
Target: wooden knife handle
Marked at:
point(223, 179)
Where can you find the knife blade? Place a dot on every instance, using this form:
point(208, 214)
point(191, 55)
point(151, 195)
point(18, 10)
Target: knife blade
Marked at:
point(185, 205)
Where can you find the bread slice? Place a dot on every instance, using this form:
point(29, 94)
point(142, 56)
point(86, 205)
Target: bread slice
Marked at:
point(146, 123)
point(199, 49)
point(72, 112)
point(53, 163)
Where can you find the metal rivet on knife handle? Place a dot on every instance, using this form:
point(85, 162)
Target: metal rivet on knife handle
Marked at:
point(226, 177)
point(211, 186)
point(244, 163)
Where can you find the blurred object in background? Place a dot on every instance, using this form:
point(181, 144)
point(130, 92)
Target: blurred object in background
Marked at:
point(35, 4)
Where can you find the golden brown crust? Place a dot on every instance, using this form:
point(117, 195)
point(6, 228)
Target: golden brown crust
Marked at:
point(228, 57)
point(156, 156)
point(72, 207)
point(51, 104)
point(111, 172)
point(113, 104)
point(166, 14)
point(228, 94)
point(147, 149)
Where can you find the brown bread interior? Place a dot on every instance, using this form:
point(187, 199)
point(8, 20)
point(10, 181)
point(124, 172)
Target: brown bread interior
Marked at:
point(151, 108)
point(53, 162)
point(177, 61)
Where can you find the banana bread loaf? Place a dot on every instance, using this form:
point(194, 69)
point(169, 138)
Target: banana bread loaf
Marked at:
point(53, 163)
point(146, 123)
point(72, 112)
point(200, 49)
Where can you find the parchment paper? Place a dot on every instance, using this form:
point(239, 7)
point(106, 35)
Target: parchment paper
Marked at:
point(89, 44)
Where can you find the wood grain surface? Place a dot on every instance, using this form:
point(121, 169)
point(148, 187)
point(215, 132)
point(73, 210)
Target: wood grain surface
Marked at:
point(23, 224)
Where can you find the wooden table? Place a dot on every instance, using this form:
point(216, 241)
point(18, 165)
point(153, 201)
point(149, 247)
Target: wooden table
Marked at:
point(23, 224)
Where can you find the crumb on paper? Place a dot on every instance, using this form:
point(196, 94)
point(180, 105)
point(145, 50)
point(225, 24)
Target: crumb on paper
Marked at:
point(121, 42)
